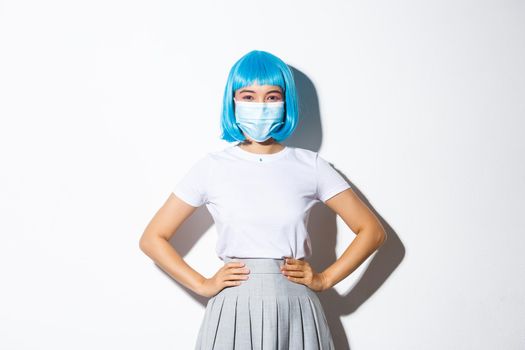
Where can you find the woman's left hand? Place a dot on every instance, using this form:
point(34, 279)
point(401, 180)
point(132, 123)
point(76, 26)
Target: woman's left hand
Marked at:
point(300, 271)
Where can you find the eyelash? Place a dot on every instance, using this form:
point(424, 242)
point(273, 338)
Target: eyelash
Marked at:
point(245, 97)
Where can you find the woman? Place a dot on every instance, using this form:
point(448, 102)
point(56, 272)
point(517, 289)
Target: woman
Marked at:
point(259, 193)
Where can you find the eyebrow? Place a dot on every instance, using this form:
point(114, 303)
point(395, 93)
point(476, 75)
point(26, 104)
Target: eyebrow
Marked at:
point(244, 90)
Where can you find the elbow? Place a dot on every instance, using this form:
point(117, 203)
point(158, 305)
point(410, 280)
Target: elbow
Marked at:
point(142, 244)
point(149, 242)
point(381, 237)
point(145, 244)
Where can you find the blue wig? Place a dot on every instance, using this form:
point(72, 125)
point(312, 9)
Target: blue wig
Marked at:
point(262, 68)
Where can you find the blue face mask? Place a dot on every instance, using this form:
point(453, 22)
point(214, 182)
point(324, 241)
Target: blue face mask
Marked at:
point(259, 119)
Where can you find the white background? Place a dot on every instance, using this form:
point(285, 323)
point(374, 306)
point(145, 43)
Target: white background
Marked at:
point(104, 105)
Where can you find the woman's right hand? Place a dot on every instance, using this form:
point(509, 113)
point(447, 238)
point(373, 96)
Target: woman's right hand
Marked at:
point(231, 274)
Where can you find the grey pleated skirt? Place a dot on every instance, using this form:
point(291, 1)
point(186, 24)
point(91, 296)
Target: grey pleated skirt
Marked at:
point(265, 312)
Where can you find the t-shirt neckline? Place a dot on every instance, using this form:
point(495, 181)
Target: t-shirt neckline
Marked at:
point(259, 157)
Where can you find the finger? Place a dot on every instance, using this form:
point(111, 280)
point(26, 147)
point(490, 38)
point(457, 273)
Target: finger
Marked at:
point(296, 279)
point(289, 261)
point(292, 266)
point(234, 264)
point(293, 261)
point(294, 273)
point(232, 283)
point(240, 270)
point(236, 277)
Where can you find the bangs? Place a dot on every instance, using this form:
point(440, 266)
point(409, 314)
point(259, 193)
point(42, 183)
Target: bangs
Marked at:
point(258, 69)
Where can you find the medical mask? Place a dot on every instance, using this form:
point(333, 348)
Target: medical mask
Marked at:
point(259, 119)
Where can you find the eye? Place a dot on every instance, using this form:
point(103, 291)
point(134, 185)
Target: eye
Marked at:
point(274, 98)
point(247, 97)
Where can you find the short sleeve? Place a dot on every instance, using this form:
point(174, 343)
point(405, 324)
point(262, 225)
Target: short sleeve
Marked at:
point(193, 186)
point(329, 181)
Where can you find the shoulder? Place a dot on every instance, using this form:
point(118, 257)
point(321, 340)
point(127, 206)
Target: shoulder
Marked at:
point(303, 152)
point(202, 161)
point(220, 154)
point(305, 155)
point(313, 159)
point(215, 154)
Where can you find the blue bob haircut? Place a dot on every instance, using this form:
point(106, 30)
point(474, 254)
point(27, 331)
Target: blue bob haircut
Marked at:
point(261, 68)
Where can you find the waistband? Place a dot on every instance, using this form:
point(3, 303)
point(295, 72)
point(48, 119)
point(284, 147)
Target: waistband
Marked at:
point(259, 265)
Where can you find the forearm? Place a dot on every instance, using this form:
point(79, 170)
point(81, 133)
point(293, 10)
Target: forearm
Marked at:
point(167, 258)
point(363, 245)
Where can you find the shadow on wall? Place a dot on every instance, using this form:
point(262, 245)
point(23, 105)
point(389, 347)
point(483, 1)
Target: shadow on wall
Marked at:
point(322, 227)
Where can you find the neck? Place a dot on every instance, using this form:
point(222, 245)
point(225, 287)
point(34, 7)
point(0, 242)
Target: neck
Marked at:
point(267, 147)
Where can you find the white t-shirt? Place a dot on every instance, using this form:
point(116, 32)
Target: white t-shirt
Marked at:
point(260, 203)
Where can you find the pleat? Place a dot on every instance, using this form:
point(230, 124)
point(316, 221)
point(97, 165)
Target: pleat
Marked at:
point(283, 312)
point(213, 323)
point(311, 341)
point(256, 321)
point(225, 334)
point(319, 332)
point(243, 337)
point(296, 324)
point(326, 341)
point(203, 328)
point(270, 323)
